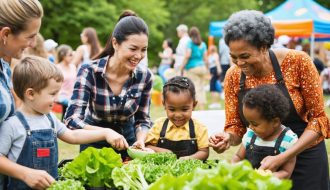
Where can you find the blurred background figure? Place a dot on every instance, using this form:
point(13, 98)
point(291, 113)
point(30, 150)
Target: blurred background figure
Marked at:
point(166, 58)
point(194, 65)
point(50, 46)
point(89, 49)
point(215, 71)
point(224, 58)
point(64, 57)
point(182, 32)
point(39, 49)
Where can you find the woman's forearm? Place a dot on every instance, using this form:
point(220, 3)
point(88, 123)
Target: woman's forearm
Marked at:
point(234, 139)
point(303, 143)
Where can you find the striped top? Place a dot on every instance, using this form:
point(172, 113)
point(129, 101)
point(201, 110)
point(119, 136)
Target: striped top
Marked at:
point(290, 138)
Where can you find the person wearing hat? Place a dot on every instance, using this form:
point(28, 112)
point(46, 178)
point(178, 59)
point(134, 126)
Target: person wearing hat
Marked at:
point(50, 46)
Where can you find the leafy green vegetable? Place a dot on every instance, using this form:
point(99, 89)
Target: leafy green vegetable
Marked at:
point(224, 176)
point(66, 185)
point(93, 167)
point(129, 176)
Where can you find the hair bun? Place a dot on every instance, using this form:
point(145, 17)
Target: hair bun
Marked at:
point(126, 13)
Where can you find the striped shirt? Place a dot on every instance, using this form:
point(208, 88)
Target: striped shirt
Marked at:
point(290, 138)
point(92, 91)
point(7, 106)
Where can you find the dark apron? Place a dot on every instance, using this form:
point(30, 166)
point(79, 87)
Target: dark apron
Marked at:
point(255, 154)
point(311, 171)
point(39, 152)
point(126, 129)
point(180, 148)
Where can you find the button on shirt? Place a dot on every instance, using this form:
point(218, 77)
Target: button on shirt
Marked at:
point(92, 97)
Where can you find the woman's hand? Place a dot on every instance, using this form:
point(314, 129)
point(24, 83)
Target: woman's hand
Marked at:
point(220, 142)
point(272, 162)
point(116, 140)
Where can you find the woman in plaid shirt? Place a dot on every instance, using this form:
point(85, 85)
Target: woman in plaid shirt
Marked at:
point(112, 91)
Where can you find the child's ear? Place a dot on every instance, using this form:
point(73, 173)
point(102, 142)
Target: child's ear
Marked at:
point(195, 104)
point(29, 94)
point(276, 121)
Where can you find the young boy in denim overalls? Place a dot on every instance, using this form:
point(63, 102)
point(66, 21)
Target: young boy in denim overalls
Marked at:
point(29, 151)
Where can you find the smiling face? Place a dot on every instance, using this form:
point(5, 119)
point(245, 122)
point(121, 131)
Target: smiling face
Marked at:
point(179, 107)
point(16, 43)
point(42, 102)
point(131, 51)
point(247, 57)
point(264, 129)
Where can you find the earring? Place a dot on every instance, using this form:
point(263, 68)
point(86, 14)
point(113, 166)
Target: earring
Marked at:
point(4, 42)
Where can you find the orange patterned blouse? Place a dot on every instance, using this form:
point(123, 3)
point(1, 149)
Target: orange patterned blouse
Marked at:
point(303, 83)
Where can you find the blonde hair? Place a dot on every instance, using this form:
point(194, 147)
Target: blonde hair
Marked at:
point(15, 14)
point(34, 72)
point(39, 49)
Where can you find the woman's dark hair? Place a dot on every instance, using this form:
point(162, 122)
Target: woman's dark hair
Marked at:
point(195, 36)
point(269, 100)
point(252, 26)
point(169, 43)
point(178, 85)
point(127, 25)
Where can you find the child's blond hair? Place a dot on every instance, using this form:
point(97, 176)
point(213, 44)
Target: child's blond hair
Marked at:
point(34, 72)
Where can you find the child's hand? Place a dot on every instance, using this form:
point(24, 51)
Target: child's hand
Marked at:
point(116, 140)
point(220, 142)
point(38, 179)
point(139, 144)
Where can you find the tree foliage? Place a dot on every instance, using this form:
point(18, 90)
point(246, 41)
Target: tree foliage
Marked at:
point(64, 20)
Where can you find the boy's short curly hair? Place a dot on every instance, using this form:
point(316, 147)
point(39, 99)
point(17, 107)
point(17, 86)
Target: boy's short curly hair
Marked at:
point(250, 25)
point(34, 72)
point(269, 100)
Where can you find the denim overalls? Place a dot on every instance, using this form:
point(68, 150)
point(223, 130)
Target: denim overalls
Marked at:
point(39, 152)
point(311, 169)
point(180, 148)
point(255, 154)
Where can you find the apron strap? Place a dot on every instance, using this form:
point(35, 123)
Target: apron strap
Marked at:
point(192, 129)
point(163, 131)
point(280, 139)
point(253, 139)
point(276, 66)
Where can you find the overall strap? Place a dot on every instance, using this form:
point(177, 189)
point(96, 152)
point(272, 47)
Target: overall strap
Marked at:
point(163, 131)
point(22, 119)
point(192, 129)
point(276, 66)
point(51, 120)
point(253, 139)
point(280, 138)
point(242, 81)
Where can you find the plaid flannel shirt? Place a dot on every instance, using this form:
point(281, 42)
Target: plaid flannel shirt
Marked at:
point(92, 91)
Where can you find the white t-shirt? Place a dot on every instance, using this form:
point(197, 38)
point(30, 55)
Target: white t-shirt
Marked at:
point(181, 51)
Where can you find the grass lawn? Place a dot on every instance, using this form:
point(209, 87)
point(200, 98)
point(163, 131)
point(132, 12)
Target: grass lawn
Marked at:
point(67, 151)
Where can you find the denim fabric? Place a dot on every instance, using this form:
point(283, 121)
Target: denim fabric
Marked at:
point(35, 141)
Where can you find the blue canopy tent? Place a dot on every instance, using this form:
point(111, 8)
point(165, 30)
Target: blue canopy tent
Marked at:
point(293, 17)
